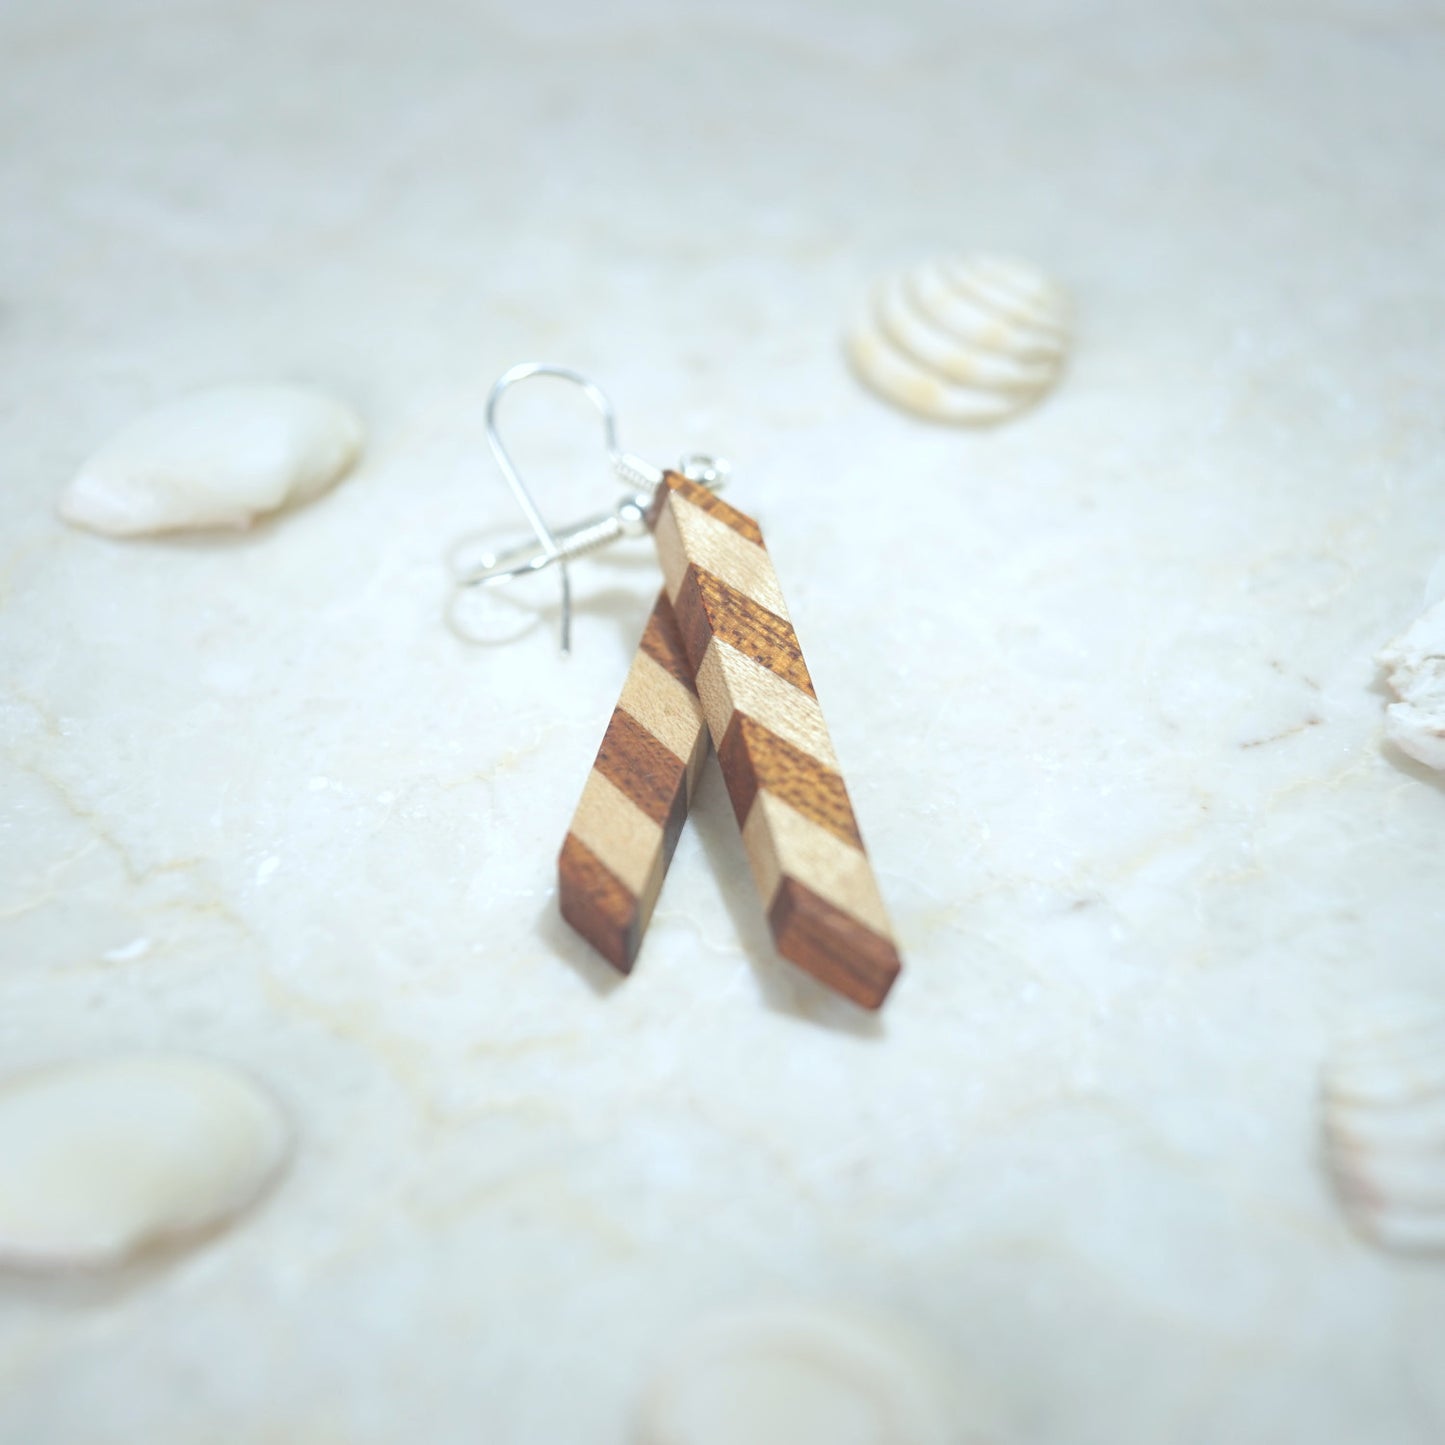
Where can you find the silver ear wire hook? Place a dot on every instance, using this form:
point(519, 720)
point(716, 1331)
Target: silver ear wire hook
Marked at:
point(552, 548)
point(627, 519)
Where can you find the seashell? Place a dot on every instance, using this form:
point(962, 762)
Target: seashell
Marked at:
point(972, 340)
point(218, 458)
point(100, 1159)
point(1415, 662)
point(1383, 1101)
point(797, 1375)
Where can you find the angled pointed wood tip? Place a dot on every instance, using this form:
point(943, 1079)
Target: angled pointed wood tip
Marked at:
point(634, 804)
point(802, 840)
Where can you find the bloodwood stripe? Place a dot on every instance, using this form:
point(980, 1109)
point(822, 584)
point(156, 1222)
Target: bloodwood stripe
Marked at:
point(708, 608)
point(599, 905)
point(708, 501)
point(646, 770)
point(627, 824)
point(754, 757)
point(662, 642)
point(818, 890)
point(834, 947)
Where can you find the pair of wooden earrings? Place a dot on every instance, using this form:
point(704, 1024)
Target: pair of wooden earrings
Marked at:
point(718, 658)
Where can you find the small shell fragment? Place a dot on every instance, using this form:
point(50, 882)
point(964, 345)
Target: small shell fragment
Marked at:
point(972, 340)
point(1415, 662)
point(797, 1375)
point(218, 458)
point(100, 1159)
point(1383, 1103)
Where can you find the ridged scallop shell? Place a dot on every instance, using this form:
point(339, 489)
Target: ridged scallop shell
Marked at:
point(971, 340)
point(798, 1375)
point(1383, 1101)
point(101, 1158)
point(1415, 662)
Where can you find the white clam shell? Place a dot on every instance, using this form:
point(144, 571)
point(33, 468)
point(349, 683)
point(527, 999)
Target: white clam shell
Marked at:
point(100, 1159)
point(217, 458)
point(1415, 662)
point(798, 1375)
point(1383, 1102)
point(971, 340)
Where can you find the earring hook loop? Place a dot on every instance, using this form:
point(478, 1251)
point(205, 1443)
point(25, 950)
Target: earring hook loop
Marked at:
point(552, 551)
point(629, 517)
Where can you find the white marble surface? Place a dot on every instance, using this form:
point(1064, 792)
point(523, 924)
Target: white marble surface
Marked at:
point(1101, 681)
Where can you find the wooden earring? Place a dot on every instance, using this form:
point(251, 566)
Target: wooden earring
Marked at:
point(822, 901)
point(719, 656)
point(635, 801)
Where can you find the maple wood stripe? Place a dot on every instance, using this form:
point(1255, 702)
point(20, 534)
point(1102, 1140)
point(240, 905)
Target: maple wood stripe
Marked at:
point(635, 800)
point(670, 712)
point(781, 843)
point(835, 948)
point(710, 502)
point(598, 904)
point(637, 764)
point(671, 554)
point(705, 542)
point(708, 608)
point(727, 683)
point(662, 642)
point(617, 831)
point(754, 757)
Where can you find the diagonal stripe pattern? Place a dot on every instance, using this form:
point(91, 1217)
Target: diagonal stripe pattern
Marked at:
point(801, 837)
point(634, 804)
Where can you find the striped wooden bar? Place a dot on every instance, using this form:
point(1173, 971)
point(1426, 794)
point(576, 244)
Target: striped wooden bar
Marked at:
point(634, 804)
point(802, 841)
